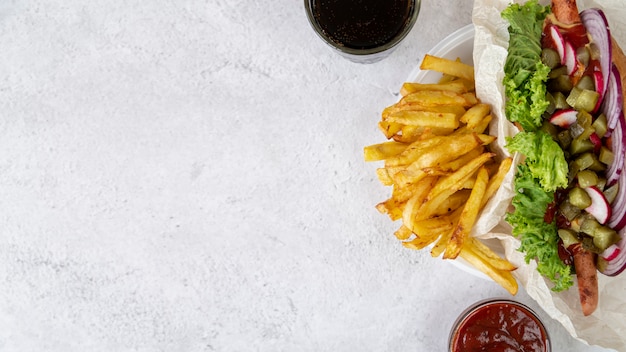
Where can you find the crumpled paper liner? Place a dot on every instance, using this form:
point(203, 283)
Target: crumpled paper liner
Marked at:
point(607, 326)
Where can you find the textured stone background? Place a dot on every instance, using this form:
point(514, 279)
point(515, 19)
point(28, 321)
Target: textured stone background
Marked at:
point(188, 176)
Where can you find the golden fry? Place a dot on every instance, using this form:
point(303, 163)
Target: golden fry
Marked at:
point(468, 216)
point(407, 177)
point(414, 204)
point(447, 66)
point(460, 161)
point(438, 223)
point(445, 78)
point(391, 207)
point(469, 183)
point(453, 148)
point(383, 151)
point(409, 134)
point(389, 129)
point(475, 114)
point(455, 181)
point(452, 86)
point(426, 119)
point(384, 177)
point(428, 231)
point(441, 245)
point(452, 203)
point(481, 126)
point(403, 233)
point(502, 277)
point(419, 106)
point(494, 260)
point(438, 98)
point(415, 150)
point(496, 180)
point(419, 242)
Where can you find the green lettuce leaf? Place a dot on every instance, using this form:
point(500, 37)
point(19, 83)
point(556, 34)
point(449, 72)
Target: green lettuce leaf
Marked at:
point(544, 158)
point(525, 74)
point(539, 240)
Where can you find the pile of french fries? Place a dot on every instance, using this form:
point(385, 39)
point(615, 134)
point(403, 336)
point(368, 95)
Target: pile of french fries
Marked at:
point(438, 162)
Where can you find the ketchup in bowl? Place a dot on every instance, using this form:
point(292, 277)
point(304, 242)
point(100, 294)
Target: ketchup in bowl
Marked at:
point(499, 325)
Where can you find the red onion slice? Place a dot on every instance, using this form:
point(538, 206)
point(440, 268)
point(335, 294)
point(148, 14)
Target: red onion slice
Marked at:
point(613, 99)
point(618, 213)
point(598, 28)
point(618, 147)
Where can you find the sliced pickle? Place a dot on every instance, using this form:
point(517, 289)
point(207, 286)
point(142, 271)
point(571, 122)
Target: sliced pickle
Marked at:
point(586, 82)
point(569, 237)
point(561, 83)
point(550, 57)
point(560, 101)
point(606, 156)
point(579, 198)
point(600, 125)
point(604, 237)
point(579, 146)
point(568, 210)
point(583, 99)
point(558, 71)
point(587, 178)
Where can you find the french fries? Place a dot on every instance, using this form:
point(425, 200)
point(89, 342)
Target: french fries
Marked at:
point(440, 169)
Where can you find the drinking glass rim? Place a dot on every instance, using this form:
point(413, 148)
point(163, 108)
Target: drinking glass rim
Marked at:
point(415, 9)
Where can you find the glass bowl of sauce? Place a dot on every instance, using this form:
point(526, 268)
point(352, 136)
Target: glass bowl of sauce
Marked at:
point(499, 325)
point(363, 31)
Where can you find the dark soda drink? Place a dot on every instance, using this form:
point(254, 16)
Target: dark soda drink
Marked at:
point(362, 24)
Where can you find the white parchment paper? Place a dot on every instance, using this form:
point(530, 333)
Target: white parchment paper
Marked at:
point(607, 326)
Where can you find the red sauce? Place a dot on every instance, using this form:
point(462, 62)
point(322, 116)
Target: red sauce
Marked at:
point(500, 326)
point(566, 256)
point(548, 217)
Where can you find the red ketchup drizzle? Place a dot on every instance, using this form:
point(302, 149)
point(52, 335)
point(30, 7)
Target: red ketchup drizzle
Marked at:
point(566, 256)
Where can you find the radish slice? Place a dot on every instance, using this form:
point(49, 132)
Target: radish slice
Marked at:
point(598, 28)
point(611, 253)
point(564, 118)
point(599, 208)
point(596, 141)
point(559, 42)
point(613, 99)
point(618, 263)
point(570, 58)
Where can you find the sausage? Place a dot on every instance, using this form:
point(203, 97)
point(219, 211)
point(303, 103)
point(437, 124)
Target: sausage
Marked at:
point(566, 11)
point(587, 276)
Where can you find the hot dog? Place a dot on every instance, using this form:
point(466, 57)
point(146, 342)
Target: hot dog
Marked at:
point(560, 86)
point(566, 12)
